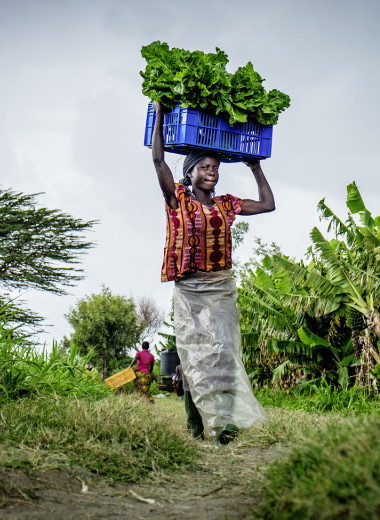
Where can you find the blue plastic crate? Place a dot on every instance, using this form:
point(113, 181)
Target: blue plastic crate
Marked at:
point(186, 129)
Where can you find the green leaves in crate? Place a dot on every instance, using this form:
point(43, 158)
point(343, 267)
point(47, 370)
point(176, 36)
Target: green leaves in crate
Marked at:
point(199, 80)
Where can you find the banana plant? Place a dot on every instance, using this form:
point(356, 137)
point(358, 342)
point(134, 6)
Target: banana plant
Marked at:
point(356, 263)
point(356, 255)
point(279, 299)
point(272, 314)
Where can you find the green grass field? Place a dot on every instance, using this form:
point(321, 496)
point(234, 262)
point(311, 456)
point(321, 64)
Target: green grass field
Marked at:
point(53, 415)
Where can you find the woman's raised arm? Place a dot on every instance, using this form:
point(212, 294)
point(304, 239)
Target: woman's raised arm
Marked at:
point(266, 202)
point(164, 174)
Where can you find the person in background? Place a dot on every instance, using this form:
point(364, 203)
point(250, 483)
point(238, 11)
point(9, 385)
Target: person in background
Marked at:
point(91, 371)
point(144, 369)
point(178, 381)
point(197, 257)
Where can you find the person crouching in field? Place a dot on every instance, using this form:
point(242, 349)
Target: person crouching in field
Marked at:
point(197, 257)
point(144, 369)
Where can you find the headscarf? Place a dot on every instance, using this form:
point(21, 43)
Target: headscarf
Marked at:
point(192, 159)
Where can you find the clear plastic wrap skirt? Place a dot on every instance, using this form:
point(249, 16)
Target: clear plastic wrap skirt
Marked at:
point(209, 346)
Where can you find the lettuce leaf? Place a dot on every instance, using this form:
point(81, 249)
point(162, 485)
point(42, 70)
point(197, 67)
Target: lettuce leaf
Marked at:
point(200, 80)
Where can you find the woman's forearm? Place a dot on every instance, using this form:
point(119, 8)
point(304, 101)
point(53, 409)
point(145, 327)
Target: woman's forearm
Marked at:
point(266, 199)
point(158, 139)
point(164, 174)
point(265, 191)
point(134, 360)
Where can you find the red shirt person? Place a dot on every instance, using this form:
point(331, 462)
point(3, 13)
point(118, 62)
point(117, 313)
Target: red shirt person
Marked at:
point(145, 364)
point(145, 361)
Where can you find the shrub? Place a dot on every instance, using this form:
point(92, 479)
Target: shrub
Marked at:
point(333, 474)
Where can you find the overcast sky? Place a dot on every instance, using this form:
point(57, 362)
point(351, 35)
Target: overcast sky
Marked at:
point(73, 118)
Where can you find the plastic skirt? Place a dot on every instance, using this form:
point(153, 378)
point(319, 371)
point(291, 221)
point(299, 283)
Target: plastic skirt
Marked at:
point(209, 346)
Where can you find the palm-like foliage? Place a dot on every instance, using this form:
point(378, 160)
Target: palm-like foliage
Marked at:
point(283, 299)
point(352, 258)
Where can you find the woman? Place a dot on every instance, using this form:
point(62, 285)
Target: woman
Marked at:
point(198, 258)
point(144, 369)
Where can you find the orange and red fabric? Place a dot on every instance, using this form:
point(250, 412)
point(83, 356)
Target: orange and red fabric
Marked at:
point(198, 238)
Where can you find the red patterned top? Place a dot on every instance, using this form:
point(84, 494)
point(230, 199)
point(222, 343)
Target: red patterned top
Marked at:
point(198, 238)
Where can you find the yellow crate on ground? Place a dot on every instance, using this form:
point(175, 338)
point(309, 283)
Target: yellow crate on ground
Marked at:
point(121, 378)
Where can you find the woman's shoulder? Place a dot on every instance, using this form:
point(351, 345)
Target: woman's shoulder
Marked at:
point(182, 192)
point(230, 202)
point(226, 196)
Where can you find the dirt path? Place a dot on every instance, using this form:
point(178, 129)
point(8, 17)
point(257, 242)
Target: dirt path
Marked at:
point(218, 487)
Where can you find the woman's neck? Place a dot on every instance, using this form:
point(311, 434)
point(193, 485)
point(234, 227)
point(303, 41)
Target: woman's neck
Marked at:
point(204, 197)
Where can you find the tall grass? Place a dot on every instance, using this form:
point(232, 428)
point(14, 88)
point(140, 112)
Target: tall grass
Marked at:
point(324, 398)
point(25, 372)
point(120, 437)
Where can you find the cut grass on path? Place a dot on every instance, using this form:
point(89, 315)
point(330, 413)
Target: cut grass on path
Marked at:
point(121, 437)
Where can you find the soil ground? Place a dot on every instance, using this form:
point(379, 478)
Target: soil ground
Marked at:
point(219, 486)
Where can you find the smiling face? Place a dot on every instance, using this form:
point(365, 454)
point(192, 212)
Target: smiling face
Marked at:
point(205, 174)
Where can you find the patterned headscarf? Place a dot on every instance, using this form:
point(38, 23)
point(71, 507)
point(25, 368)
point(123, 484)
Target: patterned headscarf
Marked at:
point(192, 159)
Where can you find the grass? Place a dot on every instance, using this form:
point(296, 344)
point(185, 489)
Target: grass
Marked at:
point(329, 464)
point(25, 371)
point(352, 401)
point(332, 474)
point(286, 427)
point(54, 415)
point(120, 437)
point(328, 468)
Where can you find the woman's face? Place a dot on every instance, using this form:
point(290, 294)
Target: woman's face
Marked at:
point(205, 174)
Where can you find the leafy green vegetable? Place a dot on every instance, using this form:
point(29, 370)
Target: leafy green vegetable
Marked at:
point(199, 80)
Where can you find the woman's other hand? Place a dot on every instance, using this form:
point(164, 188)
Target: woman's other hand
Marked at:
point(252, 162)
point(266, 200)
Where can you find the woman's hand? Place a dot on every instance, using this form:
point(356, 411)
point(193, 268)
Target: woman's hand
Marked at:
point(252, 162)
point(160, 108)
point(157, 107)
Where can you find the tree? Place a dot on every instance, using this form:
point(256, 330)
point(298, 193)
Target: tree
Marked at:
point(106, 324)
point(284, 299)
point(39, 248)
point(238, 232)
point(149, 316)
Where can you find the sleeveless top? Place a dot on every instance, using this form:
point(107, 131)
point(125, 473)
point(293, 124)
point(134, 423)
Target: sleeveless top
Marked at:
point(198, 238)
